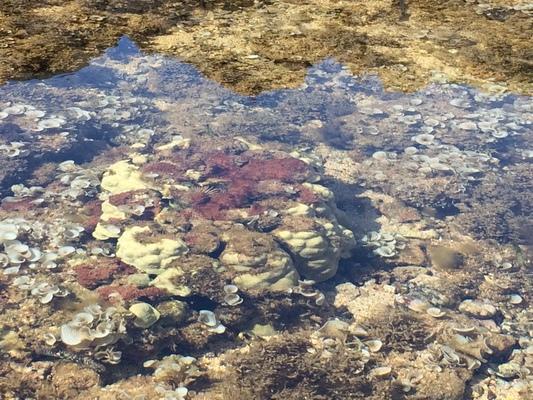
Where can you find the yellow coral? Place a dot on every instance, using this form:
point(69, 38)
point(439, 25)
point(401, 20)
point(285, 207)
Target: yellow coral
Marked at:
point(166, 280)
point(104, 231)
point(320, 190)
point(122, 177)
point(109, 211)
point(269, 268)
point(148, 257)
point(317, 252)
point(282, 277)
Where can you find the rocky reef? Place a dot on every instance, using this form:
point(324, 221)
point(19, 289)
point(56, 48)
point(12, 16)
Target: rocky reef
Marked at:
point(163, 238)
point(183, 224)
point(201, 262)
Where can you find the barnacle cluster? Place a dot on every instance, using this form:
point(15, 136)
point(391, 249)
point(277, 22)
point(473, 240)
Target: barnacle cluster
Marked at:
point(93, 327)
point(16, 237)
point(384, 244)
point(43, 290)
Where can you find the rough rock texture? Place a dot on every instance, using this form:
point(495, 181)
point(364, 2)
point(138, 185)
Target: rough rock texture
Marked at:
point(254, 46)
point(255, 201)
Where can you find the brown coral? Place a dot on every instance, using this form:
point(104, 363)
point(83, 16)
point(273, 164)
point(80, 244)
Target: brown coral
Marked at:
point(102, 271)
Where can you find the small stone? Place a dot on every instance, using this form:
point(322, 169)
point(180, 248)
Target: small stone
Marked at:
point(139, 280)
point(145, 314)
point(173, 311)
point(263, 330)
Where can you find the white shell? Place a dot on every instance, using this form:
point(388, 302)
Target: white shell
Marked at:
point(17, 247)
point(15, 258)
point(66, 166)
point(12, 270)
point(49, 264)
point(15, 109)
point(112, 230)
point(102, 330)
point(23, 282)
point(64, 251)
point(506, 266)
point(230, 289)
point(425, 139)
point(94, 309)
point(374, 345)
point(207, 317)
point(385, 251)
point(436, 312)
point(320, 299)
point(50, 123)
point(145, 314)
point(50, 339)
point(35, 255)
point(410, 150)
point(381, 372)
point(47, 298)
point(6, 234)
point(82, 318)
point(418, 305)
point(4, 260)
point(71, 234)
point(467, 126)
point(233, 299)
point(73, 336)
point(388, 237)
point(380, 155)
point(34, 113)
point(499, 134)
point(468, 329)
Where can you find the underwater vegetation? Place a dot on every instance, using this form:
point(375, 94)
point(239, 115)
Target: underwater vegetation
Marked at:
point(164, 238)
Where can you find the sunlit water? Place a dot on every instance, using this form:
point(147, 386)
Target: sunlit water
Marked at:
point(126, 96)
point(124, 93)
point(433, 149)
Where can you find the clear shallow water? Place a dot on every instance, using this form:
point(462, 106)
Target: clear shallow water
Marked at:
point(460, 156)
point(125, 91)
point(453, 133)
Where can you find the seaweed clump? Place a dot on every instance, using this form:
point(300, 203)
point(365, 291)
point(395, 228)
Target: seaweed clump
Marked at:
point(283, 368)
point(400, 331)
point(500, 208)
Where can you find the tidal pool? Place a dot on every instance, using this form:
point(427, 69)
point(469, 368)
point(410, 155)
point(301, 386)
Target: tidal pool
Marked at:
point(164, 237)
